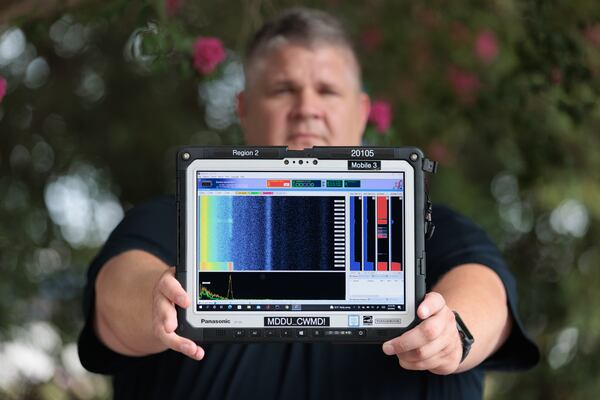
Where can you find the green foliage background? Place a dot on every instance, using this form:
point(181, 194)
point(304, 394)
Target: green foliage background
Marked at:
point(520, 154)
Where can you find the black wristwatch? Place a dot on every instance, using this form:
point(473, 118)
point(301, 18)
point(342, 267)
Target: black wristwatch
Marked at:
point(465, 336)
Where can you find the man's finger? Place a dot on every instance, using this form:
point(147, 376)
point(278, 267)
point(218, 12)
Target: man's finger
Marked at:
point(182, 345)
point(165, 323)
point(426, 332)
point(172, 290)
point(427, 351)
point(442, 363)
point(165, 313)
point(431, 304)
point(422, 365)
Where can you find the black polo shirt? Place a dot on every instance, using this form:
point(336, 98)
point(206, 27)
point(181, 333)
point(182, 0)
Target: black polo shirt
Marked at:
point(299, 370)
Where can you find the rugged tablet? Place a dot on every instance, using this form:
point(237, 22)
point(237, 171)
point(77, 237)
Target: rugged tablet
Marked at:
point(323, 244)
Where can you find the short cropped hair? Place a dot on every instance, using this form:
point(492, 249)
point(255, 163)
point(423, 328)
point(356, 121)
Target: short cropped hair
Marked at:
point(299, 26)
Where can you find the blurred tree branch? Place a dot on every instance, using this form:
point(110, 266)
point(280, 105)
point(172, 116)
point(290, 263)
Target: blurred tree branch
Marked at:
point(11, 10)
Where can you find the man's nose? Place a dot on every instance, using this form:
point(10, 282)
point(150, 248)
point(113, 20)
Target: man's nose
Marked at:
point(307, 104)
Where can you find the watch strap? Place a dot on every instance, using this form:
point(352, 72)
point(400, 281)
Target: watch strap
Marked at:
point(466, 338)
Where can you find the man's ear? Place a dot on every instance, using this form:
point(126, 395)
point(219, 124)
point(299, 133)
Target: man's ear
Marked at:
point(365, 106)
point(240, 105)
point(241, 109)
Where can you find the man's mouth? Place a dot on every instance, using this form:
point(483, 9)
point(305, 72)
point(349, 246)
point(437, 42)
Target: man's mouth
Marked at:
point(305, 135)
point(300, 138)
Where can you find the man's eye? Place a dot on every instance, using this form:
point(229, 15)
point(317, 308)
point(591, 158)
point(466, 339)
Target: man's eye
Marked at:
point(328, 92)
point(282, 90)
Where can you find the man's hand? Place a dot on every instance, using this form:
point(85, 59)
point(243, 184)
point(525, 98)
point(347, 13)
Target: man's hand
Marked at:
point(168, 292)
point(432, 345)
point(135, 313)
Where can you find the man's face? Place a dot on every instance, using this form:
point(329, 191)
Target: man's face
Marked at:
point(303, 97)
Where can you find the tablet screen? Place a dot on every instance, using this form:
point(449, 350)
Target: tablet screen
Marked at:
point(292, 243)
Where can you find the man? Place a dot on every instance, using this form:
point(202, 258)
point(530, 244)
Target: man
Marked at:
point(302, 89)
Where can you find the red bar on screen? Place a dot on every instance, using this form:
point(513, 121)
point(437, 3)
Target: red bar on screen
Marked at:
point(382, 210)
point(278, 183)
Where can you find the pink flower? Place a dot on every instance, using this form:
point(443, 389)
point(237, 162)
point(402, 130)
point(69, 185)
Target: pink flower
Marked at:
point(486, 46)
point(592, 34)
point(173, 6)
point(208, 54)
point(381, 115)
point(465, 85)
point(2, 88)
point(556, 75)
point(371, 39)
point(440, 153)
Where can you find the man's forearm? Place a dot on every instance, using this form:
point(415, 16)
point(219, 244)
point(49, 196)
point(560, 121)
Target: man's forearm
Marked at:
point(123, 310)
point(478, 295)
